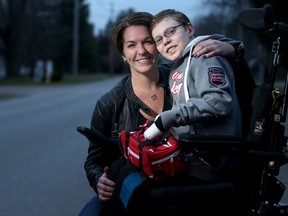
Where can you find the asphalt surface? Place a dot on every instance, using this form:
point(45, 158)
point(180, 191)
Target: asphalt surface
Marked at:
point(42, 155)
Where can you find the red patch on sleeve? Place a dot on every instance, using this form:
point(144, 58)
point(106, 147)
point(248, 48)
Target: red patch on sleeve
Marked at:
point(216, 77)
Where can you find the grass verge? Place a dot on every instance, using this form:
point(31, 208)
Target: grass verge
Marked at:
point(68, 79)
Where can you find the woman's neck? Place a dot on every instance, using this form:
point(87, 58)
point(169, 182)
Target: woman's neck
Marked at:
point(145, 82)
point(146, 88)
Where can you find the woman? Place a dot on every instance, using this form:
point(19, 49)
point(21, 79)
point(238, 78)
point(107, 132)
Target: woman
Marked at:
point(141, 95)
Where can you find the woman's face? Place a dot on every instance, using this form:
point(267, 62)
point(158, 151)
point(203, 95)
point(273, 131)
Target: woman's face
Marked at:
point(139, 49)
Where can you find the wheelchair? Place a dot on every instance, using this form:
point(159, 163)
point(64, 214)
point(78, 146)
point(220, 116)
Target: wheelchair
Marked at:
point(255, 190)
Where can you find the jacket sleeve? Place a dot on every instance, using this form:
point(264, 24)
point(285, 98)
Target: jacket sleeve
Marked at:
point(212, 101)
point(95, 161)
point(98, 157)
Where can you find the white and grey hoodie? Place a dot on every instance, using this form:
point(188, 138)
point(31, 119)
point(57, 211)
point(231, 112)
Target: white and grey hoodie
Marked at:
point(209, 105)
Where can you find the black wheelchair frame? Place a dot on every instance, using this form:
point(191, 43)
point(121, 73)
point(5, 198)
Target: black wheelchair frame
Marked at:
point(272, 150)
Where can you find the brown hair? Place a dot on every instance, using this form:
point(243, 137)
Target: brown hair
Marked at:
point(176, 15)
point(133, 19)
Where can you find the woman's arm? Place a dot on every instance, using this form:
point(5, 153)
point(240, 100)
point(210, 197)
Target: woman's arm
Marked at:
point(220, 45)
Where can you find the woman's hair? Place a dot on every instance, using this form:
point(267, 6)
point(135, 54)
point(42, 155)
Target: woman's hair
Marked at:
point(133, 19)
point(169, 13)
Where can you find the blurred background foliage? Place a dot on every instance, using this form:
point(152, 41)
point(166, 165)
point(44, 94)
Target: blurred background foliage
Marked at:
point(34, 31)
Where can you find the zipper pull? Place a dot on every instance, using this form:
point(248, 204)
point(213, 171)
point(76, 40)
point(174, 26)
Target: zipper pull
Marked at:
point(172, 165)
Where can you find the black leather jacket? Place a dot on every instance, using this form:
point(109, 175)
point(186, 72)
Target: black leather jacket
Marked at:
point(117, 110)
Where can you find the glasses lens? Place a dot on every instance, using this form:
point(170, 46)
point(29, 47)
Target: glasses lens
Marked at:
point(169, 32)
point(158, 40)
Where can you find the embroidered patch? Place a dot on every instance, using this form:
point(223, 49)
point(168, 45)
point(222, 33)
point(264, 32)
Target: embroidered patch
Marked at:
point(216, 77)
point(176, 75)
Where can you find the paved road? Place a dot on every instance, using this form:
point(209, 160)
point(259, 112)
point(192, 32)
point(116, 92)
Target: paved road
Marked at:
point(42, 155)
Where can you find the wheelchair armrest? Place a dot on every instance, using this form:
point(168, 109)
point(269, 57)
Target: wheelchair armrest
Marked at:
point(264, 156)
point(96, 137)
point(213, 143)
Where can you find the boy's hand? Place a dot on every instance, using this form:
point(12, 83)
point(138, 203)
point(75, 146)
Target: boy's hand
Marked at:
point(152, 132)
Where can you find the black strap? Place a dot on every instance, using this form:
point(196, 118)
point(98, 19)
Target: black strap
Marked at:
point(115, 129)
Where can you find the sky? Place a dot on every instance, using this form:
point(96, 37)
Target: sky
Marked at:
point(101, 10)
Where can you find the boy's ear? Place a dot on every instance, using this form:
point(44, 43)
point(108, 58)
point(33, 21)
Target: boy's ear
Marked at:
point(190, 29)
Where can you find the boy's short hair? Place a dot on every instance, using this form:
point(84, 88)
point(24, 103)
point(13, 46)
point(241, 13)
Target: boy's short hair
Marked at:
point(176, 15)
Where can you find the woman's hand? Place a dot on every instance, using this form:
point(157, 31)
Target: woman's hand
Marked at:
point(212, 47)
point(105, 186)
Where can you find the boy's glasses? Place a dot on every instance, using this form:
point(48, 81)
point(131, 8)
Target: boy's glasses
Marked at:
point(167, 33)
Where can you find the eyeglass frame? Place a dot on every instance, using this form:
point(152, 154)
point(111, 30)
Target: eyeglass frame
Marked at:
point(170, 30)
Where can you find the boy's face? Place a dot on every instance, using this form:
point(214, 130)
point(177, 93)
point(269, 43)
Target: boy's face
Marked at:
point(172, 37)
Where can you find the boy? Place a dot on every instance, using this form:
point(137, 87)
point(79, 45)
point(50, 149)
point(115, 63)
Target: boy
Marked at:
point(203, 89)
